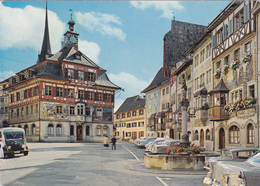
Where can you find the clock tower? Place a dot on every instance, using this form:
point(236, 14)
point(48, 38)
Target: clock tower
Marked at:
point(70, 37)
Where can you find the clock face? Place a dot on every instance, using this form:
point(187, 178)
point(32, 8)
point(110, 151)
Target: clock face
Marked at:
point(73, 39)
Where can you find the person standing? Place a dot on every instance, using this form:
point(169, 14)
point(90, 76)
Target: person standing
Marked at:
point(113, 140)
point(106, 143)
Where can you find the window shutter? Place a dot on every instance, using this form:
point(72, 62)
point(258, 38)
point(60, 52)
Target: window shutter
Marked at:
point(112, 98)
point(95, 96)
point(230, 26)
point(76, 74)
point(53, 91)
point(246, 13)
point(66, 72)
point(65, 93)
point(104, 95)
point(86, 95)
point(25, 94)
point(214, 41)
point(224, 32)
point(85, 76)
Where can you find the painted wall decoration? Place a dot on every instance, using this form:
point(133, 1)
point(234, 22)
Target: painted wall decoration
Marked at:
point(102, 114)
point(50, 111)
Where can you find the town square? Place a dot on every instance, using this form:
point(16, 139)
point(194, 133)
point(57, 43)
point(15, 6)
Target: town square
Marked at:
point(129, 92)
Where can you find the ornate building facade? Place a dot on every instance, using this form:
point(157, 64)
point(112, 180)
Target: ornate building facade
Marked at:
point(63, 97)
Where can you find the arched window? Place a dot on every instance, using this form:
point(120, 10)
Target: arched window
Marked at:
point(33, 129)
point(26, 130)
point(250, 134)
point(208, 135)
point(196, 135)
point(234, 134)
point(87, 130)
point(98, 131)
point(58, 130)
point(105, 131)
point(72, 130)
point(50, 130)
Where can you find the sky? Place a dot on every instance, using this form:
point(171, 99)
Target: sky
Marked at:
point(123, 37)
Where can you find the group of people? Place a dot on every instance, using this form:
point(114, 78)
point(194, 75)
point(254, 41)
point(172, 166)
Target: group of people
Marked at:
point(106, 143)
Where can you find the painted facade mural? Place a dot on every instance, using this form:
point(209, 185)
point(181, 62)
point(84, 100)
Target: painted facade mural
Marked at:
point(55, 111)
point(102, 114)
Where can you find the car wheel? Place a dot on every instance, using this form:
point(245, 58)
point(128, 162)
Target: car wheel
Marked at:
point(25, 153)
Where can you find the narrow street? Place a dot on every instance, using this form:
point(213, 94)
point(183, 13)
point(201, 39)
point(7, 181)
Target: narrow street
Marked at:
point(88, 164)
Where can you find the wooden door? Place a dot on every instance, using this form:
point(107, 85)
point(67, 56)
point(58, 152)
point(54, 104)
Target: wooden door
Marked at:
point(221, 138)
point(79, 132)
point(202, 138)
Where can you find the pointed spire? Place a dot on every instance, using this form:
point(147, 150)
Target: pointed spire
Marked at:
point(46, 47)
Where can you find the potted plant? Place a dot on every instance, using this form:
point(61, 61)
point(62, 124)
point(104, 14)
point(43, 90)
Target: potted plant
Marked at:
point(225, 69)
point(247, 57)
point(235, 65)
point(218, 73)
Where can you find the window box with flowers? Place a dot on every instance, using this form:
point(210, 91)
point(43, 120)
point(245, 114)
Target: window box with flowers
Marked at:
point(241, 104)
point(218, 73)
point(225, 69)
point(235, 65)
point(247, 57)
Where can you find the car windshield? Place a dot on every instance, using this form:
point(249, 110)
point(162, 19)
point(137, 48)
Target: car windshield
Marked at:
point(14, 136)
point(166, 143)
point(254, 159)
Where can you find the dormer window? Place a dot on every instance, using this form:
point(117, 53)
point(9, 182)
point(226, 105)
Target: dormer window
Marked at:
point(77, 56)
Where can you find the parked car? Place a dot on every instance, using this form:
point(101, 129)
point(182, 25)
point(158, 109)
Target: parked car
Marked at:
point(161, 148)
point(137, 141)
point(142, 143)
point(149, 146)
point(220, 167)
point(13, 141)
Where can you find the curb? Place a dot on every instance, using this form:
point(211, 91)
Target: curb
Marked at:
point(141, 168)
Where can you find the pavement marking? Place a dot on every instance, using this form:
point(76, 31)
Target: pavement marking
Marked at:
point(131, 153)
point(161, 181)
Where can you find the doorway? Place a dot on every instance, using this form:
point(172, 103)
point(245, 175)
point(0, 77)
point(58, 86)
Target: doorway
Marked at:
point(201, 138)
point(221, 138)
point(79, 132)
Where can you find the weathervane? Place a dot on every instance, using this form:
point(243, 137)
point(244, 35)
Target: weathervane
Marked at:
point(71, 13)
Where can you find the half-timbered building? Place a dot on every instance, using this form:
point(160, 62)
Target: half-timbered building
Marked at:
point(233, 108)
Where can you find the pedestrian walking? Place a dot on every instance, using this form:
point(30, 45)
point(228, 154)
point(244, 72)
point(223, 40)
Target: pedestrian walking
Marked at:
point(106, 143)
point(113, 140)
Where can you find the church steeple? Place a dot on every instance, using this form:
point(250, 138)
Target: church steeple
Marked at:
point(46, 47)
